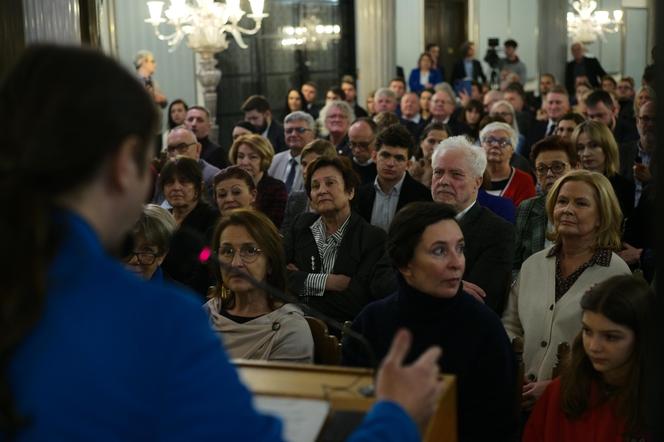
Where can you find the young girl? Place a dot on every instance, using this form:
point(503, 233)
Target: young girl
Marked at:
point(601, 393)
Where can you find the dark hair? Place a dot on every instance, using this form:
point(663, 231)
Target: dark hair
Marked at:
point(336, 90)
point(244, 124)
point(300, 94)
point(511, 42)
point(630, 302)
point(407, 227)
point(554, 143)
point(435, 125)
point(465, 48)
point(310, 83)
point(200, 108)
point(599, 96)
point(516, 87)
point(398, 79)
point(234, 172)
point(629, 80)
point(422, 55)
point(396, 136)
point(45, 157)
point(269, 241)
point(572, 116)
point(256, 102)
point(183, 169)
point(342, 164)
point(611, 79)
point(490, 119)
point(430, 45)
point(559, 89)
point(171, 123)
point(476, 105)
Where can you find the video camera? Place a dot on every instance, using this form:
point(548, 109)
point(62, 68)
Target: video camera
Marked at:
point(491, 56)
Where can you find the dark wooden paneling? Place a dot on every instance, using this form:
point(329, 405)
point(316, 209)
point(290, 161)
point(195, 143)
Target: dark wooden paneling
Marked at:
point(12, 34)
point(445, 24)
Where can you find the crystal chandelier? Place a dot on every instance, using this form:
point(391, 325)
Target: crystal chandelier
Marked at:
point(311, 33)
point(586, 25)
point(206, 24)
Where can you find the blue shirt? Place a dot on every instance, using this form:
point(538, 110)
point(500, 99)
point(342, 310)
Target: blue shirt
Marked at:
point(116, 358)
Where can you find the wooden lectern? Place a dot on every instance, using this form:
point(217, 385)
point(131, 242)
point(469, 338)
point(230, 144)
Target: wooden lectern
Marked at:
point(344, 388)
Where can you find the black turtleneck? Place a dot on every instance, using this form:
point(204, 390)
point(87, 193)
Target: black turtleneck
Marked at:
point(475, 348)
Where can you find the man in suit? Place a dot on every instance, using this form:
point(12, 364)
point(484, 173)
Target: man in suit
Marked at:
point(601, 107)
point(582, 65)
point(257, 111)
point(468, 67)
point(310, 90)
point(410, 114)
point(442, 109)
point(393, 187)
point(348, 86)
point(362, 140)
point(299, 128)
point(636, 156)
point(197, 120)
point(556, 104)
point(458, 168)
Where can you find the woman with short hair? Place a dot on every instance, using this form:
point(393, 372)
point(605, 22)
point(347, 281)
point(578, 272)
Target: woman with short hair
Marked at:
point(254, 154)
point(251, 323)
point(234, 188)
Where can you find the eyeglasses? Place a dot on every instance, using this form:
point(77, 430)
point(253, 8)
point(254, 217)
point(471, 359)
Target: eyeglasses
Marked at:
point(248, 253)
point(362, 145)
point(500, 142)
point(556, 168)
point(300, 130)
point(180, 148)
point(144, 258)
point(647, 120)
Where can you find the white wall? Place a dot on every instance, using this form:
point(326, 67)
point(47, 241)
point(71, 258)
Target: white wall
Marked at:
point(409, 32)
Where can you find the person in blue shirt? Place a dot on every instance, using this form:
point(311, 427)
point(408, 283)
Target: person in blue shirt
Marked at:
point(88, 350)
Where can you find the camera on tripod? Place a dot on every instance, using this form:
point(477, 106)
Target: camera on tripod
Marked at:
point(491, 56)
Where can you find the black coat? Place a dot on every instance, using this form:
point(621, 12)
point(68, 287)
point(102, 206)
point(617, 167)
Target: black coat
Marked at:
point(361, 256)
point(594, 72)
point(489, 254)
point(459, 72)
point(275, 134)
point(411, 190)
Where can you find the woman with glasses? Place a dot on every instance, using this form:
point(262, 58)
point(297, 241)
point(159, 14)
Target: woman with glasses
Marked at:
point(553, 157)
point(251, 323)
point(254, 154)
point(598, 152)
point(498, 140)
point(431, 136)
point(151, 237)
point(543, 306)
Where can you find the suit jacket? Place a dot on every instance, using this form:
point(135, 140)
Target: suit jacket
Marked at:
point(275, 133)
point(536, 133)
point(625, 130)
point(214, 153)
point(594, 72)
point(298, 202)
point(628, 151)
point(411, 190)
point(456, 126)
point(360, 255)
point(489, 254)
point(435, 76)
point(279, 168)
point(459, 72)
point(531, 223)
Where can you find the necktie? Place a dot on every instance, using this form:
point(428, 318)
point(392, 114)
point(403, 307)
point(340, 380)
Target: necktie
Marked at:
point(552, 128)
point(291, 174)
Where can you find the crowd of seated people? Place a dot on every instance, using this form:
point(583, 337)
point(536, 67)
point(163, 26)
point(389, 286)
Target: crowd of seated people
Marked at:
point(502, 208)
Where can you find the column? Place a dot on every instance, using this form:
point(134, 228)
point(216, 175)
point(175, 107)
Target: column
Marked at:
point(552, 38)
point(375, 40)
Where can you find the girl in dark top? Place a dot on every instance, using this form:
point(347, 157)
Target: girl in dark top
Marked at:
point(177, 112)
point(425, 245)
point(598, 152)
point(294, 102)
point(601, 393)
point(472, 114)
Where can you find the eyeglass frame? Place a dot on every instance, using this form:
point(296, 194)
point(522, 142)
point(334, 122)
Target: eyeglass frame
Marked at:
point(300, 130)
point(491, 141)
point(543, 169)
point(245, 259)
point(181, 147)
point(138, 253)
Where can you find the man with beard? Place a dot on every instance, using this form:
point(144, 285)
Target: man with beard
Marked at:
point(257, 111)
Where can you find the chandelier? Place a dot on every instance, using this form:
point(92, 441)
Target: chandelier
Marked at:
point(205, 24)
point(586, 25)
point(311, 33)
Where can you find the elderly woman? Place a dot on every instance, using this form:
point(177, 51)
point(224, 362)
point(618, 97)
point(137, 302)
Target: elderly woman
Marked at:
point(426, 246)
point(182, 184)
point(598, 152)
point(498, 140)
point(298, 202)
point(553, 157)
point(424, 76)
point(431, 136)
point(335, 119)
point(151, 237)
point(234, 188)
point(543, 306)
point(336, 259)
point(254, 154)
point(251, 323)
point(504, 109)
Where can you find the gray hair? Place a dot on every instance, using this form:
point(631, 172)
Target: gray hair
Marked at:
point(508, 105)
point(155, 226)
point(499, 125)
point(385, 92)
point(341, 104)
point(141, 56)
point(301, 116)
point(447, 88)
point(475, 156)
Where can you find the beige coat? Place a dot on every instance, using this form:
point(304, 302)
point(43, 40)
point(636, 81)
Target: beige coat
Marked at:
point(281, 335)
point(533, 314)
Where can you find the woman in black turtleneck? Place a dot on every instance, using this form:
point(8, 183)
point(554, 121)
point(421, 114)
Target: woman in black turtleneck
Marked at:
point(426, 245)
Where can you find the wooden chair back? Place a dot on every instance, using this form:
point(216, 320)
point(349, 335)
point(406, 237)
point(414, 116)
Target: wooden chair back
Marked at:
point(517, 348)
point(327, 349)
